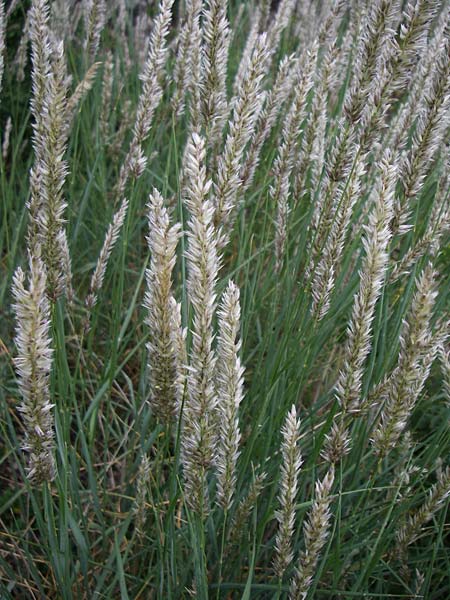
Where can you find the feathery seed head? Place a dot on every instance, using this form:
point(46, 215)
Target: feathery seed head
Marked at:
point(316, 531)
point(162, 313)
point(288, 487)
point(229, 386)
point(200, 409)
point(33, 365)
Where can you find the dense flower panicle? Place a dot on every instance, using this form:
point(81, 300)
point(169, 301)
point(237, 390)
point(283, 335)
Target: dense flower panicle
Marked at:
point(338, 166)
point(183, 64)
point(328, 266)
point(418, 348)
point(330, 22)
point(180, 335)
point(316, 531)
point(444, 356)
point(291, 462)
point(37, 28)
point(216, 38)
point(246, 505)
point(60, 18)
point(6, 138)
point(246, 108)
point(162, 319)
point(142, 29)
point(109, 242)
point(80, 92)
point(273, 104)
point(312, 148)
point(418, 17)
point(408, 533)
point(431, 125)
point(47, 204)
point(230, 392)
point(196, 81)
point(284, 163)
point(438, 225)
point(279, 23)
point(66, 267)
point(122, 22)
point(248, 49)
point(200, 408)
point(376, 33)
point(395, 66)
point(150, 97)
point(415, 98)
point(107, 92)
point(373, 269)
point(40, 59)
point(95, 19)
point(33, 365)
point(377, 105)
point(359, 330)
point(140, 501)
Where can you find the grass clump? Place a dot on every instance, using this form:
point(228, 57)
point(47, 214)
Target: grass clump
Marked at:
point(225, 284)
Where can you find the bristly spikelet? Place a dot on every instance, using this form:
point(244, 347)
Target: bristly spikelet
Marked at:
point(200, 408)
point(140, 502)
point(95, 19)
point(315, 534)
point(245, 111)
point(438, 225)
point(80, 92)
point(216, 36)
point(359, 331)
point(246, 505)
point(328, 266)
point(445, 366)
point(418, 17)
point(279, 23)
point(406, 382)
point(66, 267)
point(248, 49)
point(229, 386)
point(416, 97)
point(337, 169)
point(410, 531)
point(6, 138)
point(186, 46)
point(312, 148)
point(284, 163)
point(149, 98)
point(163, 352)
point(431, 125)
point(375, 32)
point(373, 269)
point(291, 462)
point(274, 100)
point(196, 78)
point(33, 365)
point(110, 240)
point(394, 68)
point(40, 59)
point(47, 205)
point(40, 74)
point(107, 92)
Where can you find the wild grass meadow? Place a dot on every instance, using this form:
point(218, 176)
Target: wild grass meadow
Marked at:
point(224, 292)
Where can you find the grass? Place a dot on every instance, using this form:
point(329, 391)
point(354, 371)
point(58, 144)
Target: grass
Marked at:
point(76, 537)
